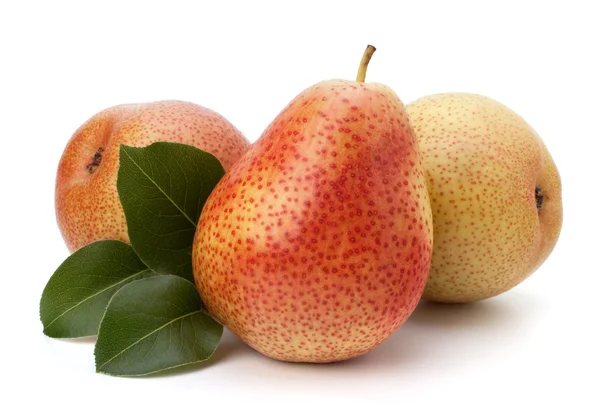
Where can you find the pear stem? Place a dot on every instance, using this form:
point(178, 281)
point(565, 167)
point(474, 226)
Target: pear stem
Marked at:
point(364, 62)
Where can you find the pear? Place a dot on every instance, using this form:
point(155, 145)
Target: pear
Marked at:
point(316, 245)
point(495, 194)
point(87, 203)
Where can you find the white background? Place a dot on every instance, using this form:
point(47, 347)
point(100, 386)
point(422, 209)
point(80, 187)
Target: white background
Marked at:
point(529, 352)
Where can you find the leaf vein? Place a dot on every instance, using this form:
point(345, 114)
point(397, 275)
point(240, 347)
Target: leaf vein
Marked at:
point(148, 335)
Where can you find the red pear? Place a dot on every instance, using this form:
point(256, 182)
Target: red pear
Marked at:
point(87, 203)
point(316, 245)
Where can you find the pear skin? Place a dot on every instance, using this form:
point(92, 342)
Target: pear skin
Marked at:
point(316, 245)
point(495, 194)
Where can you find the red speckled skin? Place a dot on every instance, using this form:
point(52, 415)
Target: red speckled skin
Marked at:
point(87, 205)
point(316, 246)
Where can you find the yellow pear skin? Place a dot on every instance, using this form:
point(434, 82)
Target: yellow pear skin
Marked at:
point(495, 194)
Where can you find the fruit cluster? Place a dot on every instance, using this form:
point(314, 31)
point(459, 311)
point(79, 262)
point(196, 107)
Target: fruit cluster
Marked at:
point(322, 236)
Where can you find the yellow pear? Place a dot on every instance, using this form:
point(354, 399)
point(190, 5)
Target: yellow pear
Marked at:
point(495, 195)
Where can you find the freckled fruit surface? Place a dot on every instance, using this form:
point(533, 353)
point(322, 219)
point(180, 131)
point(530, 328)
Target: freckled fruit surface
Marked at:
point(86, 199)
point(316, 245)
point(483, 162)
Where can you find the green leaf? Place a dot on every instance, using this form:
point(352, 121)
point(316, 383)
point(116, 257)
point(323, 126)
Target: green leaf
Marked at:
point(152, 325)
point(163, 188)
point(76, 295)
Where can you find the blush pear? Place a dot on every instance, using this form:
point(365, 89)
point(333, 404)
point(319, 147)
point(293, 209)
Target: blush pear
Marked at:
point(87, 204)
point(316, 245)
